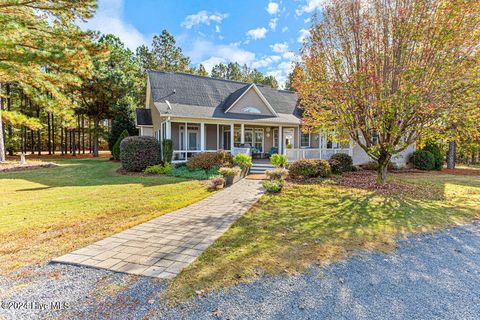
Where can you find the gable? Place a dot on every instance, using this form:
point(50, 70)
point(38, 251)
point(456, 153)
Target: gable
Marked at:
point(251, 102)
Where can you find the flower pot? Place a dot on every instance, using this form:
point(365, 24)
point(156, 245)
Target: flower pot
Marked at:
point(244, 172)
point(229, 180)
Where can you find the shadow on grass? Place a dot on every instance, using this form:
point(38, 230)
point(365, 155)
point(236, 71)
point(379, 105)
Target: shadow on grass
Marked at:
point(308, 224)
point(84, 172)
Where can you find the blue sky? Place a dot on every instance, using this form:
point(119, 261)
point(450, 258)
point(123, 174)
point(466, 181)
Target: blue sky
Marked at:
point(263, 34)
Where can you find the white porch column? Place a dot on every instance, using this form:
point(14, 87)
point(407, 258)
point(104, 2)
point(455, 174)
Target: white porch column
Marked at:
point(242, 133)
point(218, 136)
point(185, 139)
point(202, 136)
point(232, 129)
point(168, 129)
point(320, 144)
point(350, 148)
point(280, 140)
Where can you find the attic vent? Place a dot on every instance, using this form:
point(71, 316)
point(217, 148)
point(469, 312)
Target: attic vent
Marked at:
point(251, 110)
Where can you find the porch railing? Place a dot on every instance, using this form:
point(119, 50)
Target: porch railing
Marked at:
point(323, 154)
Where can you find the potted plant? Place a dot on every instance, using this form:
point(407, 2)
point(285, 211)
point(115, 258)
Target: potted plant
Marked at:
point(245, 162)
point(231, 175)
point(217, 183)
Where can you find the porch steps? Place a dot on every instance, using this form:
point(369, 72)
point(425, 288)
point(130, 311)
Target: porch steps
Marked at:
point(260, 168)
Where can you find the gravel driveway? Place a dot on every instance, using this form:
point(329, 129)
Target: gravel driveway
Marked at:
point(430, 276)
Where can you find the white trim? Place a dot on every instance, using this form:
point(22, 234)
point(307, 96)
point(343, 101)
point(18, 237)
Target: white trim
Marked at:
point(227, 121)
point(202, 136)
point(242, 133)
point(259, 94)
point(232, 133)
point(280, 140)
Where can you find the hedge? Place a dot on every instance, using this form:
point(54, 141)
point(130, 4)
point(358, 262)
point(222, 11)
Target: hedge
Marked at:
point(346, 162)
point(423, 160)
point(138, 153)
point(309, 169)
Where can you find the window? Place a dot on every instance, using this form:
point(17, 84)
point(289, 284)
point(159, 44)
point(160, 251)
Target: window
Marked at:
point(259, 139)
point(249, 136)
point(251, 109)
point(305, 140)
point(275, 138)
point(236, 137)
point(193, 138)
point(374, 137)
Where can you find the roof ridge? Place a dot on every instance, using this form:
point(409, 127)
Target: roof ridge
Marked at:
point(220, 79)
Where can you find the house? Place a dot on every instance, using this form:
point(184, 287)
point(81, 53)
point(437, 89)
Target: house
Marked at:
point(203, 114)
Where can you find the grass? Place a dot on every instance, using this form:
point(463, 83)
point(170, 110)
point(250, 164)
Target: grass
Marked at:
point(316, 224)
point(47, 213)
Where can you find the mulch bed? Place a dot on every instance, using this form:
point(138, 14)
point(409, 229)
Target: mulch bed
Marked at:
point(18, 167)
point(367, 180)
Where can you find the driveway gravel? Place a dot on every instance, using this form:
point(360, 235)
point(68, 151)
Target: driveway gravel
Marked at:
point(429, 276)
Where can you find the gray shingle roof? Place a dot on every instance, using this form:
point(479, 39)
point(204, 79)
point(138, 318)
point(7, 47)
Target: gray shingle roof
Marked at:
point(144, 117)
point(205, 97)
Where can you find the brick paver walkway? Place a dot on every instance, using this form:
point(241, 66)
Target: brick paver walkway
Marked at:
point(163, 246)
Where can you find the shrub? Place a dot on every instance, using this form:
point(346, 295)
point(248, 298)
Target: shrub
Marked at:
point(309, 169)
point(217, 183)
point(243, 160)
point(434, 149)
point(278, 160)
point(277, 174)
point(336, 166)
point(227, 171)
point(207, 160)
point(423, 160)
point(158, 169)
point(225, 158)
point(138, 153)
point(346, 162)
point(204, 160)
point(273, 186)
point(116, 146)
point(198, 174)
point(167, 149)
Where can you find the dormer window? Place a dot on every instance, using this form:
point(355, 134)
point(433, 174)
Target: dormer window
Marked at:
point(251, 109)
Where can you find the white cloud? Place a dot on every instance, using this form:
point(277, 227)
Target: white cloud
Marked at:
point(273, 23)
point(108, 19)
point(272, 8)
point(281, 71)
point(258, 33)
point(310, 6)
point(289, 55)
point(284, 29)
point(279, 47)
point(202, 17)
point(217, 28)
point(307, 20)
point(303, 34)
point(210, 54)
point(266, 62)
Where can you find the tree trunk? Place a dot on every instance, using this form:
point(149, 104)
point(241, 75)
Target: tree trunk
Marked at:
point(83, 134)
point(382, 171)
point(2, 145)
point(452, 150)
point(74, 143)
point(49, 129)
point(10, 130)
point(39, 135)
point(62, 145)
point(53, 134)
point(95, 136)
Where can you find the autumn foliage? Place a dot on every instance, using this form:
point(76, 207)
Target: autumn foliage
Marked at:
point(382, 72)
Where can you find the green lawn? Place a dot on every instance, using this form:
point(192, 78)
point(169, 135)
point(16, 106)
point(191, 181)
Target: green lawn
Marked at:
point(314, 224)
point(47, 213)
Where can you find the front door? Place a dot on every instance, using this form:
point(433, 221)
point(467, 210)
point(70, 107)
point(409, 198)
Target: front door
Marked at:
point(226, 140)
point(288, 138)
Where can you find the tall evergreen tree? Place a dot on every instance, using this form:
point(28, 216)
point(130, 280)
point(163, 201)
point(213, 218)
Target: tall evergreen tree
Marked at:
point(42, 50)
